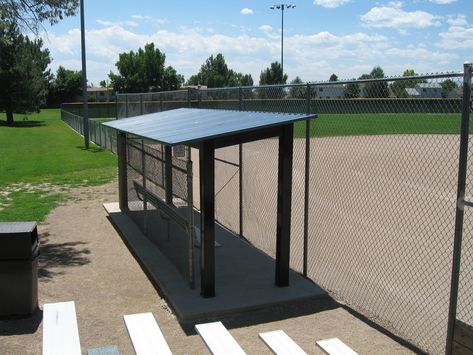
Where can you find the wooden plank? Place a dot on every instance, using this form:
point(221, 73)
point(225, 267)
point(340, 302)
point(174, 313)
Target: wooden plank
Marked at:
point(218, 339)
point(145, 334)
point(463, 334)
point(280, 343)
point(335, 346)
point(60, 332)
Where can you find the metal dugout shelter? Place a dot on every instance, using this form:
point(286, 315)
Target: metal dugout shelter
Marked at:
point(208, 130)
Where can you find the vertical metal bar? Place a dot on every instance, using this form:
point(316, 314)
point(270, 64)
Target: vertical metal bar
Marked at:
point(240, 163)
point(145, 198)
point(85, 98)
point(190, 208)
point(283, 229)
point(168, 172)
point(462, 170)
point(126, 106)
point(189, 97)
point(207, 218)
point(116, 106)
point(199, 96)
point(141, 104)
point(122, 173)
point(306, 182)
point(161, 101)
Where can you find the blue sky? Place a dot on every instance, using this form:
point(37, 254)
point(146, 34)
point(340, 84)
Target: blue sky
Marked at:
point(346, 37)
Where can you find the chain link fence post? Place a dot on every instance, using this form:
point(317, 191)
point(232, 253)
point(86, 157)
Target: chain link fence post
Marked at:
point(306, 182)
point(460, 208)
point(126, 105)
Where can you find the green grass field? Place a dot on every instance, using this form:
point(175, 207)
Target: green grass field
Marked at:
point(41, 157)
point(329, 125)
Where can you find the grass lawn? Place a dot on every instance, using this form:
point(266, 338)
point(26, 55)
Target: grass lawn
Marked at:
point(329, 125)
point(41, 157)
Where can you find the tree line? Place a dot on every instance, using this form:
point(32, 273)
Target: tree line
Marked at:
point(27, 82)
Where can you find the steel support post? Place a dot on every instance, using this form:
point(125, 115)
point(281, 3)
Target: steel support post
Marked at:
point(122, 175)
point(145, 199)
point(240, 168)
point(306, 182)
point(207, 218)
point(283, 229)
point(190, 208)
point(168, 172)
point(462, 169)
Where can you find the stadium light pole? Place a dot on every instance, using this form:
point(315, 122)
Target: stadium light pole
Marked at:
point(282, 7)
point(85, 111)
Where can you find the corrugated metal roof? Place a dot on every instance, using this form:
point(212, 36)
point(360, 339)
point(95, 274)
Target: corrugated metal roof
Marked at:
point(190, 125)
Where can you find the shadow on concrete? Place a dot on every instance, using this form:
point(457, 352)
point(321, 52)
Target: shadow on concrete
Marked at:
point(21, 325)
point(22, 124)
point(56, 256)
point(267, 315)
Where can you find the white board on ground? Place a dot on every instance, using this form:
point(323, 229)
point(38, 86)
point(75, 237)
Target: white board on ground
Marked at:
point(60, 333)
point(218, 339)
point(335, 346)
point(145, 334)
point(280, 343)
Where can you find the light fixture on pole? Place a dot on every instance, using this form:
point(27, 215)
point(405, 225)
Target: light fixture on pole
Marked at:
point(85, 111)
point(282, 7)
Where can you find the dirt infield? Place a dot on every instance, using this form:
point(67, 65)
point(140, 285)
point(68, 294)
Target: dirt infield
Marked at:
point(84, 259)
point(381, 222)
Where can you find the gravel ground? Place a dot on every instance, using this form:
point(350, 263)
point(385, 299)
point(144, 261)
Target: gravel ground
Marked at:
point(84, 259)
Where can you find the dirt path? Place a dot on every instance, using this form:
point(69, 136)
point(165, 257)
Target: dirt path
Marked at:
point(84, 259)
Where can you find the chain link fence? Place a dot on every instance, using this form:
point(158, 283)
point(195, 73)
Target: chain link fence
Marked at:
point(374, 191)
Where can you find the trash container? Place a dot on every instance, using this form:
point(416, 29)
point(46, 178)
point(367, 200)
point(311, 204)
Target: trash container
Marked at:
point(19, 251)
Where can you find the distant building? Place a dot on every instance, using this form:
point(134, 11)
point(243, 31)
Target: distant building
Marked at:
point(330, 91)
point(101, 94)
point(412, 92)
point(429, 90)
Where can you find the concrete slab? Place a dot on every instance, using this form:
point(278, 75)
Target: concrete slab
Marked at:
point(244, 275)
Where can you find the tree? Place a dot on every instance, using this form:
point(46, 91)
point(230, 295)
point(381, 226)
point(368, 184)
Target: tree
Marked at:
point(23, 72)
point(351, 91)
point(103, 84)
point(66, 86)
point(399, 87)
point(272, 75)
point(298, 92)
point(333, 77)
point(144, 71)
point(377, 89)
point(214, 73)
point(29, 14)
point(447, 86)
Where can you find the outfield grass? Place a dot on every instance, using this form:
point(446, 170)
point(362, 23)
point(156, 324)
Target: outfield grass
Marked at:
point(329, 125)
point(40, 156)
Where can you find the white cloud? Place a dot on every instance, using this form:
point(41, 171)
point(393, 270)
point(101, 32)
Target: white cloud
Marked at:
point(121, 23)
point(421, 53)
point(246, 11)
point(459, 20)
point(457, 37)
point(393, 16)
point(442, 2)
point(331, 4)
point(312, 57)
